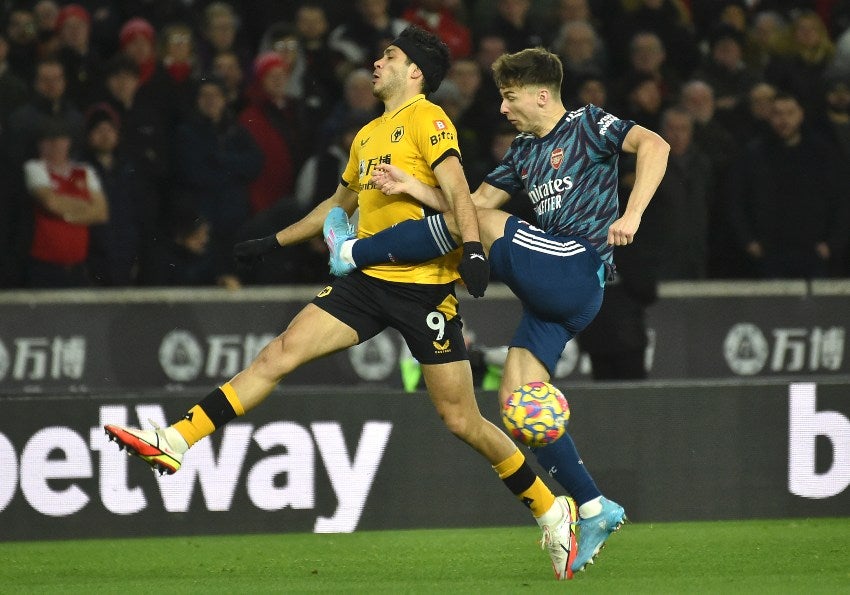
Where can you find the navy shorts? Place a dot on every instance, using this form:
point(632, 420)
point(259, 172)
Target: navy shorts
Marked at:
point(559, 280)
point(425, 315)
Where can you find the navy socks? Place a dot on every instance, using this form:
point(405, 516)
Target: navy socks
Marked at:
point(561, 460)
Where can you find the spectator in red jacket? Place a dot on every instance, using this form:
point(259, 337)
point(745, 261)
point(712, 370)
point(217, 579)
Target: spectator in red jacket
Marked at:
point(272, 118)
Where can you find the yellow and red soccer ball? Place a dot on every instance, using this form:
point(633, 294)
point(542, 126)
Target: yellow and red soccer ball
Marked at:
point(536, 414)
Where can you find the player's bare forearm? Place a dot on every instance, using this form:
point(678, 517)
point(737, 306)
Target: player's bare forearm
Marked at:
point(652, 152)
point(452, 196)
point(310, 225)
point(651, 165)
point(392, 180)
point(53, 202)
point(452, 180)
point(71, 208)
point(466, 219)
point(489, 197)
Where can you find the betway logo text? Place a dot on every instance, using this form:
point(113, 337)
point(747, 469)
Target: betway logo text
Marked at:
point(54, 457)
point(805, 425)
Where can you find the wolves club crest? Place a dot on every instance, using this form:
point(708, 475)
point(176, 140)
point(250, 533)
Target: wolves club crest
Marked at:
point(557, 158)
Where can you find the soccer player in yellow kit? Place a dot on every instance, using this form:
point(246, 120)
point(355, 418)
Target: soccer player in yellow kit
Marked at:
point(416, 299)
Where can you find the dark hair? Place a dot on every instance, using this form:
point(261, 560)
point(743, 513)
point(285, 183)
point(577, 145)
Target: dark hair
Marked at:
point(532, 66)
point(586, 77)
point(723, 31)
point(184, 219)
point(52, 127)
point(101, 112)
point(428, 52)
point(121, 63)
point(635, 79)
point(210, 79)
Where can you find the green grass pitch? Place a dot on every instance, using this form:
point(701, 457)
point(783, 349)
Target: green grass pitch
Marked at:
point(783, 556)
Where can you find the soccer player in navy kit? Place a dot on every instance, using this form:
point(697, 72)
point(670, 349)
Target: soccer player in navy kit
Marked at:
point(567, 164)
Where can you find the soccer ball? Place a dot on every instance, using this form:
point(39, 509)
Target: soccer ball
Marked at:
point(536, 414)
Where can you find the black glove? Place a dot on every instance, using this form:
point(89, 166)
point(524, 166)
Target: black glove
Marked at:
point(474, 268)
point(251, 252)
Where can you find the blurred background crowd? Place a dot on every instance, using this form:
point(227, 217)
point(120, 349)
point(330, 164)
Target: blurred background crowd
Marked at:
point(141, 139)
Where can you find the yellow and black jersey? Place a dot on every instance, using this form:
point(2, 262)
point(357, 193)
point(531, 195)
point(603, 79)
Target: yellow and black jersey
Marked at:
point(416, 137)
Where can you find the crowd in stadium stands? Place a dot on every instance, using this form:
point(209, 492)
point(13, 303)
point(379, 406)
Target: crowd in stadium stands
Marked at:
point(141, 139)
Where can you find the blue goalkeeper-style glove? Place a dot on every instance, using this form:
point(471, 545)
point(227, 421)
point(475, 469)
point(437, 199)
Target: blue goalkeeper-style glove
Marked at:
point(474, 269)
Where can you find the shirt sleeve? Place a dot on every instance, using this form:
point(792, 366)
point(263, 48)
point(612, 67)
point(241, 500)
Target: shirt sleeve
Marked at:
point(351, 174)
point(604, 132)
point(436, 136)
point(504, 176)
point(35, 175)
point(92, 180)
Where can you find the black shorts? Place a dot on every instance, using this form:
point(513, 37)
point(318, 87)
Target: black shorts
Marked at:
point(425, 315)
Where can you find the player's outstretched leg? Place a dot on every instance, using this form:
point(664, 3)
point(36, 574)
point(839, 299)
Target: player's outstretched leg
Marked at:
point(599, 517)
point(594, 530)
point(559, 536)
point(161, 448)
point(555, 516)
point(337, 229)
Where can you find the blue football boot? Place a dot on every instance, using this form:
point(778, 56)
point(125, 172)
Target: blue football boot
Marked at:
point(593, 531)
point(337, 230)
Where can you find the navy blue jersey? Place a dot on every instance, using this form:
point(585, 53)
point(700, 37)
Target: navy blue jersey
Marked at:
point(570, 175)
